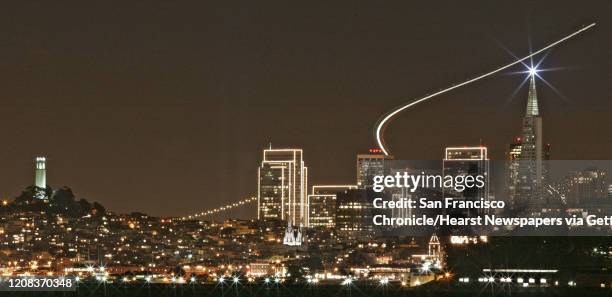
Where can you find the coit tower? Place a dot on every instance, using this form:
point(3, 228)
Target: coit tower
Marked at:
point(40, 172)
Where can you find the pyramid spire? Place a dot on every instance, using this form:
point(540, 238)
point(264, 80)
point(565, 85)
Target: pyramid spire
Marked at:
point(532, 99)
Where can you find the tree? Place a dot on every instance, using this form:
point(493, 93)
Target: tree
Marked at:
point(295, 272)
point(26, 196)
point(98, 209)
point(64, 197)
point(85, 206)
point(314, 263)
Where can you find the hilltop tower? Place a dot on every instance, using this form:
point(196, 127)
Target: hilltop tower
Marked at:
point(40, 177)
point(40, 172)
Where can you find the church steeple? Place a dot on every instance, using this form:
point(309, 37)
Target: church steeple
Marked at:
point(532, 99)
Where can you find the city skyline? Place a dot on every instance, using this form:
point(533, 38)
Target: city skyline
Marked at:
point(306, 149)
point(132, 154)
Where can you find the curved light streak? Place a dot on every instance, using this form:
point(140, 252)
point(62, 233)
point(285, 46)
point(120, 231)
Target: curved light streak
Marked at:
point(381, 124)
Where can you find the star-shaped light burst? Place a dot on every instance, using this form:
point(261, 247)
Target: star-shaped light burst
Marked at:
point(532, 69)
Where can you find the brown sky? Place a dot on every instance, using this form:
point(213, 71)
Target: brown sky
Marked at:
point(165, 108)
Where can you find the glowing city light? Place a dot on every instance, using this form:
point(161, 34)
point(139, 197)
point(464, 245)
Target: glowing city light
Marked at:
point(426, 266)
point(223, 208)
point(531, 280)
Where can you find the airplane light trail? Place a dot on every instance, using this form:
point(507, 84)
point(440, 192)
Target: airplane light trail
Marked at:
point(384, 120)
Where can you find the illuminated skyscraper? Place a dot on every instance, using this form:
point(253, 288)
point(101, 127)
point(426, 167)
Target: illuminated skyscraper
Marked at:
point(467, 161)
point(354, 213)
point(40, 176)
point(403, 193)
point(370, 165)
point(530, 166)
point(283, 180)
point(322, 205)
point(586, 186)
point(527, 169)
point(514, 150)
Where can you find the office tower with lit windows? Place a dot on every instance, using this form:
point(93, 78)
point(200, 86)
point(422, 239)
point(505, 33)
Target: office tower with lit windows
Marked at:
point(322, 205)
point(462, 161)
point(398, 194)
point(513, 155)
point(403, 193)
point(526, 156)
point(514, 150)
point(354, 213)
point(282, 186)
point(369, 165)
point(585, 186)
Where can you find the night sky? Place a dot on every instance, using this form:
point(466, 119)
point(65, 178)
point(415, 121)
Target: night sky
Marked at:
point(165, 108)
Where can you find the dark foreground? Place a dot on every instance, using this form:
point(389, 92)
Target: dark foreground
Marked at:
point(391, 290)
